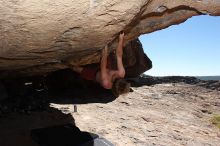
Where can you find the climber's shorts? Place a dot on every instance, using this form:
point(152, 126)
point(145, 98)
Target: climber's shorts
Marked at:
point(89, 73)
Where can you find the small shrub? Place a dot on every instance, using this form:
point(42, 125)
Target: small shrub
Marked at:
point(216, 121)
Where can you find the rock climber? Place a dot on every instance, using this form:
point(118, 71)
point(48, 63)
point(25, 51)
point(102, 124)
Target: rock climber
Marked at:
point(105, 76)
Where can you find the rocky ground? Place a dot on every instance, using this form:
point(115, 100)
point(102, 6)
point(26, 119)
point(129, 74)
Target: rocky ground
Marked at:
point(163, 114)
point(159, 111)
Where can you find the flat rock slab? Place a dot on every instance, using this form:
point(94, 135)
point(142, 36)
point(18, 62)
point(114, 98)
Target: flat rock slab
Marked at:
point(163, 114)
point(160, 114)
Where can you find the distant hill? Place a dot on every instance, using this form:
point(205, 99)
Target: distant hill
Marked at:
point(208, 77)
point(209, 82)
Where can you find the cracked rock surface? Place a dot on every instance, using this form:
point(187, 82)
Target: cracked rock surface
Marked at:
point(170, 111)
point(36, 36)
point(163, 114)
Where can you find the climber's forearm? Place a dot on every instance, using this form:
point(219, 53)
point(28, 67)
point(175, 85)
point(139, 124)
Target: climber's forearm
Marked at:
point(103, 64)
point(119, 51)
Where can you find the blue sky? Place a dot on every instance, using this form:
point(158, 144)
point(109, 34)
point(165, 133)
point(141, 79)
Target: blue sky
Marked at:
point(191, 48)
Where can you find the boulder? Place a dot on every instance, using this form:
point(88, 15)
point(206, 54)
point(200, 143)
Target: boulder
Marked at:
point(38, 36)
point(135, 60)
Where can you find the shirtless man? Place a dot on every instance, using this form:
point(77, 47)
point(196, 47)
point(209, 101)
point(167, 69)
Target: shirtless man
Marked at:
point(106, 77)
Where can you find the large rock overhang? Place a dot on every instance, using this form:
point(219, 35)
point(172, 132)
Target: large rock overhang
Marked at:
point(37, 36)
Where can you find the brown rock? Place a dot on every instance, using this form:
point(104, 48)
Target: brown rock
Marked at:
point(36, 36)
point(134, 59)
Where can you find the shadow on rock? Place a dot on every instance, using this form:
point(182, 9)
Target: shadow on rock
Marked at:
point(66, 87)
point(27, 119)
point(46, 128)
point(16, 127)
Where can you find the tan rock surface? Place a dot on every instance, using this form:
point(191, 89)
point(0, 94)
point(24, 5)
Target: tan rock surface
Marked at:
point(171, 111)
point(164, 114)
point(36, 36)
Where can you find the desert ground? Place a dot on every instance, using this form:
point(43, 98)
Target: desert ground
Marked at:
point(164, 114)
point(169, 113)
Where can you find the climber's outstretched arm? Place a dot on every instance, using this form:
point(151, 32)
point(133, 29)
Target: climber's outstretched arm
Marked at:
point(119, 54)
point(105, 78)
point(103, 64)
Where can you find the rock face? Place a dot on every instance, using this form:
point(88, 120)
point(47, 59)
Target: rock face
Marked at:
point(37, 36)
point(134, 59)
point(172, 111)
